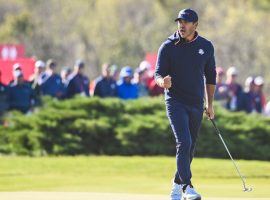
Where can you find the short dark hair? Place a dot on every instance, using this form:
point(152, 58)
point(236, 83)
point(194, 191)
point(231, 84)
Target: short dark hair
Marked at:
point(51, 63)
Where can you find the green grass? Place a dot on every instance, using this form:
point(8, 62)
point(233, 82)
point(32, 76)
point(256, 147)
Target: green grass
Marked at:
point(212, 177)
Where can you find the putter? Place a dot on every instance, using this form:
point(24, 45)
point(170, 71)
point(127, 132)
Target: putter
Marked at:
point(245, 189)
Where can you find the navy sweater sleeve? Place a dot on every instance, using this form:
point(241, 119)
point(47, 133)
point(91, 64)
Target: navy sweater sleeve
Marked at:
point(210, 68)
point(162, 65)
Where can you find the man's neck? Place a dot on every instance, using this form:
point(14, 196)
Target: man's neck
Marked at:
point(191, 37)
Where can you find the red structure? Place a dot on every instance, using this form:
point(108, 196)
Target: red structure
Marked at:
point(11, 54)
point(151, 58)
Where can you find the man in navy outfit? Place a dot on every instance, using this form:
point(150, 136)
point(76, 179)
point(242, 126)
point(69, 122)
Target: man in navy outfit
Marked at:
point(105, 84)
point(3, 97)
point(20, 94)
point(185, 69)
point(51, 83)
point(78, 83)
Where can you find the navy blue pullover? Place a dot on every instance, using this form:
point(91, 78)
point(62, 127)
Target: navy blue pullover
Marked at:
point(105, 87)
point(187, 63)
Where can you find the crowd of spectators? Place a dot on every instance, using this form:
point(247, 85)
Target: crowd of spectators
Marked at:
point(23, 95)
point(234, 97)
point(124, 83)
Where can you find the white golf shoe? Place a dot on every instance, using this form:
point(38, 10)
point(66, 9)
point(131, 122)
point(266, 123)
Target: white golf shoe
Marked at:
point(176, 193)
point(189, 193)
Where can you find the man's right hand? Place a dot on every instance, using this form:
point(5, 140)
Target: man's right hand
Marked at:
point(165, 82)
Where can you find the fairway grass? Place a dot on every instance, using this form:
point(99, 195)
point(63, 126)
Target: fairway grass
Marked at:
point(130, 175)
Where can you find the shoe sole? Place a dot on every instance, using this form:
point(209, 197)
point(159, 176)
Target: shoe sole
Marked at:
point(198, 198)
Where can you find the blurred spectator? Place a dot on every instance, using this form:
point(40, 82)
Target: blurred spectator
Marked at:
point(78, 83)
point(234, 89)
point(251, 100)
point(125, 88)
point(141, 79)
point(267, 109)
point(260, 101)
point(65, 72)
point(154, 89)
point(105, 84)
point(36, 80)
point(246, 99)
point(144, 66)
point(20, 94)
point(221, 92)
point(115, 72)
point(38, 71)
point(3, 97)
point(16, 67)
point(51, 82)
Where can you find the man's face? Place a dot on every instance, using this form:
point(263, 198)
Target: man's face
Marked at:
point(106, 72)
point(234, 77)
point(39, 70)
point(52, 67)
point(127, 79)
point(64, 74)
point(220, 78)
point(16, 71)
point(186, 28)
point(79, 70)
point(20, 79)
point(258, 88)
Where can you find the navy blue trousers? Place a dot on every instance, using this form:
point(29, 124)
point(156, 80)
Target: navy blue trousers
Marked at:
point(185, 122)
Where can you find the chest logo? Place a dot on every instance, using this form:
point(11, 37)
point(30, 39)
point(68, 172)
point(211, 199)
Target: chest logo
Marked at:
point(201, 51)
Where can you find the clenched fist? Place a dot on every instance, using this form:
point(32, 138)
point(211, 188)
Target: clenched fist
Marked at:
point(167, 82)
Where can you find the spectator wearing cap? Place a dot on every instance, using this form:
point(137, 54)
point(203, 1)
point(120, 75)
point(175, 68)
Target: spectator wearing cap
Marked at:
point(141, 78)
point(221, 92)
point(260, 100)
point(234, 89)
point(36, 80)
point(105, 85)
point(20, 94)
point(16, 67)
point(38, 72)
point(252, 98)
point(3, 97)
point(78, 83)
point(51, 82)
point(65, 73)
point(153, 88)
point(125, 88)
point(246, 101)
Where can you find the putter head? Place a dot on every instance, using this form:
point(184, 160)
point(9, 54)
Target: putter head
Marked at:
point(247, 189)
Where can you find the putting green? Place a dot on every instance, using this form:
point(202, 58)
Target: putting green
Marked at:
point(129, 175)
point(93, 196)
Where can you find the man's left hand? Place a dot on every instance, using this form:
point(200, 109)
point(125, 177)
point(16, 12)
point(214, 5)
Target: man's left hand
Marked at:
point(209, 111)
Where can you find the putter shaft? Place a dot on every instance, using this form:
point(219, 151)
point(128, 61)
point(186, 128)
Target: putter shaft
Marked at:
point(236, 167)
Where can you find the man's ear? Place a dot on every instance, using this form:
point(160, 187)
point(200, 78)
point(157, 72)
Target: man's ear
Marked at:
point(196, 24)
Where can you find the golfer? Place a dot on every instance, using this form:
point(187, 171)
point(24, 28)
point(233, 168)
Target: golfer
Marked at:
point(186, 69)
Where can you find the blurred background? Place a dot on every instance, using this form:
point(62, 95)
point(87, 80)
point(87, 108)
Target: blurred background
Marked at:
point(123, 32)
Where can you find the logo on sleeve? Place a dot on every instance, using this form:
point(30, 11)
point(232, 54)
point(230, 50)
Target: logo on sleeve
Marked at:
point(201, 51)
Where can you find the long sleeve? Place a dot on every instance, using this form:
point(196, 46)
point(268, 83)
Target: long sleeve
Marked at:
point(210, 68)
point(162, 65)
